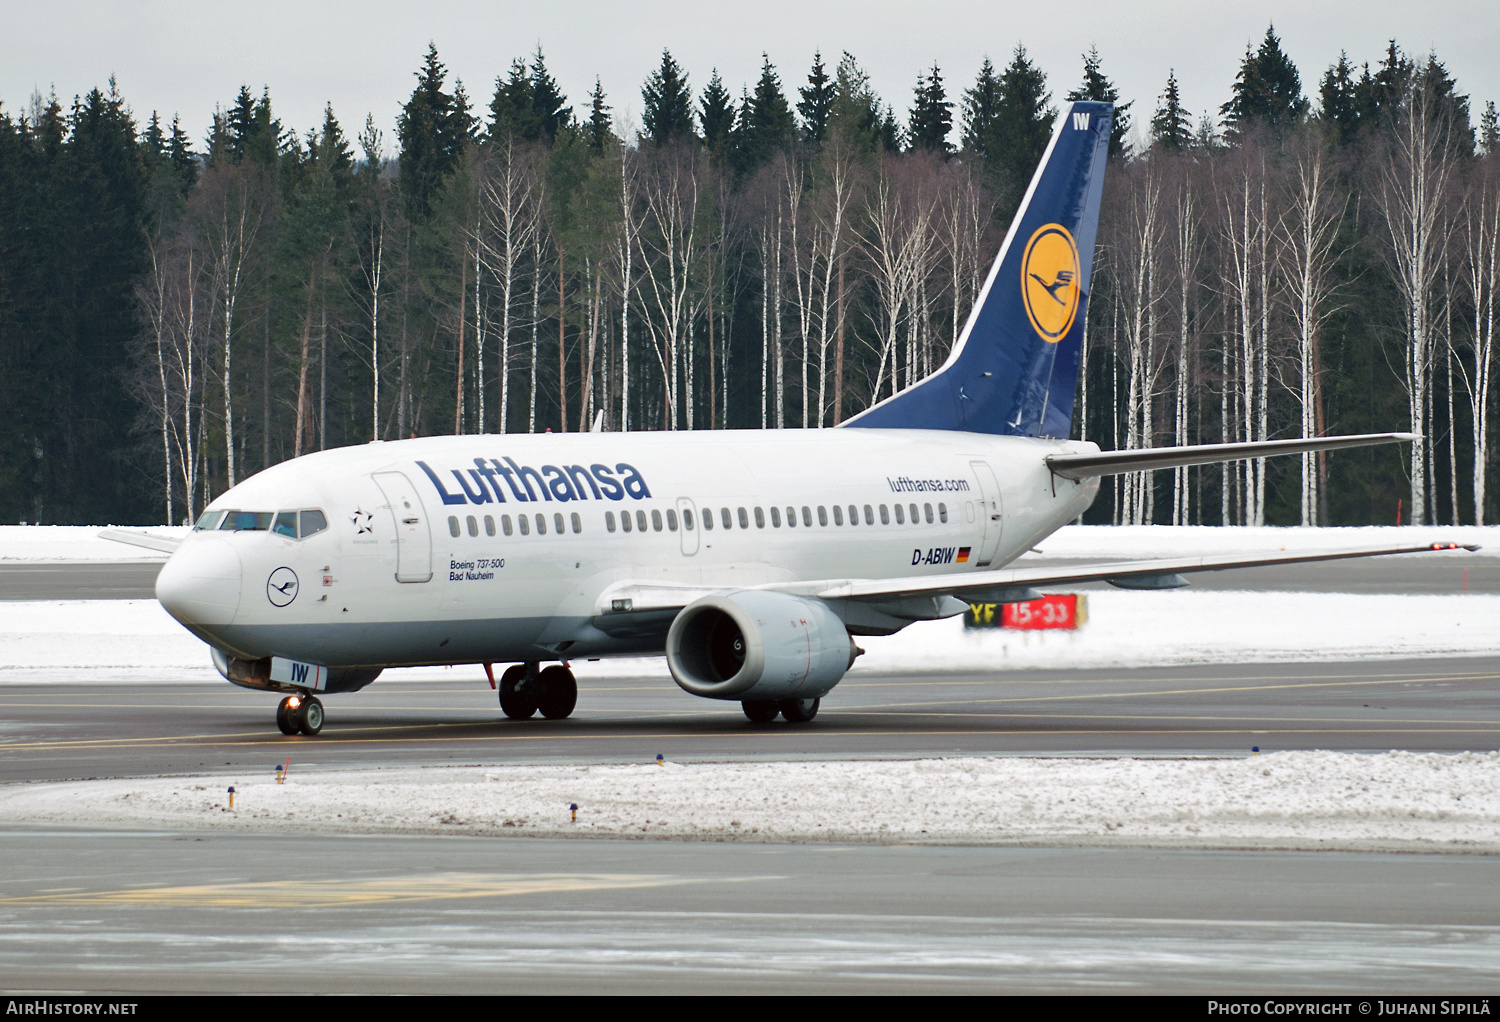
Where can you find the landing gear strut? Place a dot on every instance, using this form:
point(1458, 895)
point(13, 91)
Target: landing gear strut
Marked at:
point(524, 690)
point(300, 714)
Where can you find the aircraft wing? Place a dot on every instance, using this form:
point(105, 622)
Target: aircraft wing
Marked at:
point(1005, 582)
point(632, 608)
point(161, 544)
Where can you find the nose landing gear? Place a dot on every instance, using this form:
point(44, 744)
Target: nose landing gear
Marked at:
point(300, 715)
point(524, 690)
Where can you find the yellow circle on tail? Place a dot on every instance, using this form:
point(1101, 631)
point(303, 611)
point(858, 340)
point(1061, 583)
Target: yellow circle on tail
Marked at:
point(1049, 281)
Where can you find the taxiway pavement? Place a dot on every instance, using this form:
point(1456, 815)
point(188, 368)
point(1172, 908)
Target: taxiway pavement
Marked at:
point(193, 912)
point(55, 732)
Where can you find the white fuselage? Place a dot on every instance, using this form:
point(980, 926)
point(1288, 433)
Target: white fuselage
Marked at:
point(432, 566)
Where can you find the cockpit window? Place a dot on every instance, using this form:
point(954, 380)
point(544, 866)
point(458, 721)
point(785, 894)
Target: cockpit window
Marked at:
point(313, 522)
point(246, 521)
point(293, 524)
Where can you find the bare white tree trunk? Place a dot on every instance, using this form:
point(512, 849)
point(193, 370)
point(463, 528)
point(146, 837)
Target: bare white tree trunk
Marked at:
point(232, 237)
point(669, 251)
point(1482, 265)
point(509, 221)
point(1309, 233)
point(1413, 187)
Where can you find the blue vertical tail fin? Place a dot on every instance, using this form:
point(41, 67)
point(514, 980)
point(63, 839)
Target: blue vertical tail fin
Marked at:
point(1014, 369)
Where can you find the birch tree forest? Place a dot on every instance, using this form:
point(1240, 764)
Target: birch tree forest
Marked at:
point(177, 314)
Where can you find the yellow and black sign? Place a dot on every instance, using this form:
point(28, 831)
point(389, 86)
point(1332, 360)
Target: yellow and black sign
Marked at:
point(1049, 281)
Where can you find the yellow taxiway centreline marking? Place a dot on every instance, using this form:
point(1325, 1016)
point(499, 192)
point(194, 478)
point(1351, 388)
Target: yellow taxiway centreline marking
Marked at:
point(334, 892)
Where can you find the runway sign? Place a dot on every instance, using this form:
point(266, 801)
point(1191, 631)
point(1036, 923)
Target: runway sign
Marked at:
point(1055, 610)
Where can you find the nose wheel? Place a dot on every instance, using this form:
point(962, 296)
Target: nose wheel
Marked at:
point(300, 715)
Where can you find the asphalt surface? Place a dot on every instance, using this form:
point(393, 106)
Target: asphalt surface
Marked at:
point(143, 911)
point(185, 912)
point(1410, 573)
point(53, 732)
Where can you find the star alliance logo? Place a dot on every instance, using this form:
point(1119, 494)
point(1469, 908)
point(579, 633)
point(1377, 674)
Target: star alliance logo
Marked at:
point(362, 521)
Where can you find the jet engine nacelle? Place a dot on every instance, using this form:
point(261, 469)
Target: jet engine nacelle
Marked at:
point(756, 645)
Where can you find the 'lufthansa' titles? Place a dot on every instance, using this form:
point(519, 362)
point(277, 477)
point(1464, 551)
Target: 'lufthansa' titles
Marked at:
point(498, 480)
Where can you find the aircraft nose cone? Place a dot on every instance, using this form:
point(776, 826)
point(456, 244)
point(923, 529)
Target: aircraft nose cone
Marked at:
point(200, 584)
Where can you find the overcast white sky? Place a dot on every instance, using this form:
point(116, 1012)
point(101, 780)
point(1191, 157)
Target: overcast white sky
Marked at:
point(183, 56)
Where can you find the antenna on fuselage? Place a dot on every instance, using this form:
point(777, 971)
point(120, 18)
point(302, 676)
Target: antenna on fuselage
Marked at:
point(598, 426)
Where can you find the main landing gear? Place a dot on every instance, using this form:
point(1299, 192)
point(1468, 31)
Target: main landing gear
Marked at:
point(796, 711)
point(524, 690)
point(300, 715)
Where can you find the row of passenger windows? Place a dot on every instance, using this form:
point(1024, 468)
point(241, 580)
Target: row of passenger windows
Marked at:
point(524, 522)
point(727, 517)
point(293, 524)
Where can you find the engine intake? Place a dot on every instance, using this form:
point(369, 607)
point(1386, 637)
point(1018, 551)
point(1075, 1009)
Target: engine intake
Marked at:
point(753, 644)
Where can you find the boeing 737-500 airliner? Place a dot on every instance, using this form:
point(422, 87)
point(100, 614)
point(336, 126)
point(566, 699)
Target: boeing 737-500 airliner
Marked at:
point(752, 559)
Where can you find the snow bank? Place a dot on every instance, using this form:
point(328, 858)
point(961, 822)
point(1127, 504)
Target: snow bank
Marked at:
point(75, 543)
point(135, 640)
point(1425, 802)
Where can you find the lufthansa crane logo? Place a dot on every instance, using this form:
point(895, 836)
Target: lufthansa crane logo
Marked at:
point(1049, 281)
point(281, 587)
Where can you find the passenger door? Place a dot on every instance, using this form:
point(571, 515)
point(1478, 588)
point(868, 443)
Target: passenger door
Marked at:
point(989, 512)
point(413, 536)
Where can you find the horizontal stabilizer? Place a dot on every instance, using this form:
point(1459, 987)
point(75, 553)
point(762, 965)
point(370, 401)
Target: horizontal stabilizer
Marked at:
point(1111, 463)
point(161, 544)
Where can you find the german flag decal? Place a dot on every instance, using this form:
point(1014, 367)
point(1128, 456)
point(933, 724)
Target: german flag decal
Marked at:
point(963, 555)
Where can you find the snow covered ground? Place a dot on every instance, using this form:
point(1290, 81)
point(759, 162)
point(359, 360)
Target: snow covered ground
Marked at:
point(75, 543)
point(134, 640)
point(1313, 800)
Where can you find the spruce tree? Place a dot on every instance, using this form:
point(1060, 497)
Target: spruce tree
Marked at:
point(549, 107)
point(769, 126)
point(888, 132)
point(432, 129)
point(1023, 121)
point(1267, 90)
point(668, 113)
point(599, 130)
point(513, 110)
point(1172, 125)
point(1097, 88)
point(331, 150)
point(931, 115)
point(1489, 130)
point(1384, 92)
point(716, 116)
point(817, 101)
point(1338, 95)
point(981, 107)
point(855, 111)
